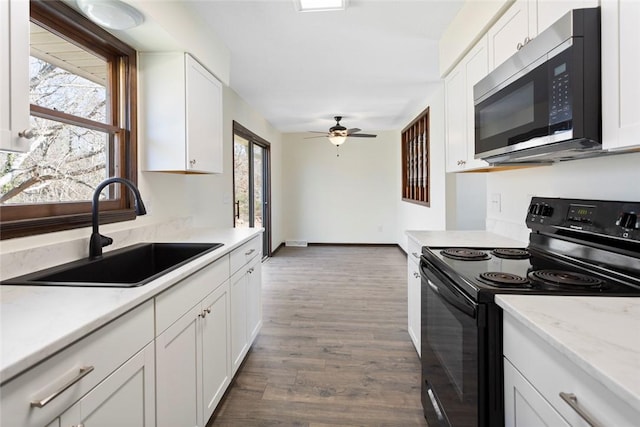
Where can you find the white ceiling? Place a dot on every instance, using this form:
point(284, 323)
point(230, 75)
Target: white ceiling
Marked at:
point(375, 63)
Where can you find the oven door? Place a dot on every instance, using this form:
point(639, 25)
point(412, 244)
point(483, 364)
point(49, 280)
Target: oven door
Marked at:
point(450, 334)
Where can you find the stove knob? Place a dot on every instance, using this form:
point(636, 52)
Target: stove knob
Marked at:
point(628, 220)
point(546, 210)
point(533, 208)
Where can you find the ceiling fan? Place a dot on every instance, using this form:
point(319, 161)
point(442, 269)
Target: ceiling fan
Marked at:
point(338, 134)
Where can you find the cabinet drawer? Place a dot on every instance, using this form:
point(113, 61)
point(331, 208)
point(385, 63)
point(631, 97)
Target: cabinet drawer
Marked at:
point(550, 372)
point(414, 249)
point(246, 253)
point(104, 350)
point(177, 300)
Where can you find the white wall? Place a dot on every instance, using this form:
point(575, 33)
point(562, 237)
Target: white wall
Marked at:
point(416, 217)
point(614, 177)
point(347, 199)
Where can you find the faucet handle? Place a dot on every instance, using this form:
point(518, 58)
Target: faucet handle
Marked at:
point(105, 240)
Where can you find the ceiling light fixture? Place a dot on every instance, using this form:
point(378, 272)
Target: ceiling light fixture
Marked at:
point(112, 14)
point(337, 139)
point(319, 5)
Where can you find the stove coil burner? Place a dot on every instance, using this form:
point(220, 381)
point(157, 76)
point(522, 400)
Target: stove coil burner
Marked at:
point(566, 279)
point(504, 279)
point(465, 254)
point(510, 253)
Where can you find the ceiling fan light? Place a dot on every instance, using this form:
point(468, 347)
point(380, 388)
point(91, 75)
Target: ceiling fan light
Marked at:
point(337, 139)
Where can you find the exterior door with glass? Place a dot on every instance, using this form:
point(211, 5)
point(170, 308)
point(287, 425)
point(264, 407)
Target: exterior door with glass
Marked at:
point(251, 183)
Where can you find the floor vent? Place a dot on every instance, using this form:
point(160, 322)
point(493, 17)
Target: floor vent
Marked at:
point(300, 243)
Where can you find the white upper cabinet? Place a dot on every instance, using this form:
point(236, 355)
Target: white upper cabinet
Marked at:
point(620, 71)
point(460, 118)
point(513, 30)
point(180, 114)
point(523, 21)
point(14, 75)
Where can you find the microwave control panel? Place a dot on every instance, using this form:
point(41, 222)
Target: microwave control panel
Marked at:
point(560, 95)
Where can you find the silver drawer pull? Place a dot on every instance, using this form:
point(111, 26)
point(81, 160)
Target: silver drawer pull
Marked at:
point(416, 275)
point(250, 252)
point(572, 400)
point(83, 372)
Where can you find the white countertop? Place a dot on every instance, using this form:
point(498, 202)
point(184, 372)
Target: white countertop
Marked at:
point(38, 321)
point(599, 334)
point(468, 238)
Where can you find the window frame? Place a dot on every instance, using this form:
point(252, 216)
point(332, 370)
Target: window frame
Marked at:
point(31, 219)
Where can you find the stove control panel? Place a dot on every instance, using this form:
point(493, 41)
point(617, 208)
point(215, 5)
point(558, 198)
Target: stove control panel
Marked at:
point(601, 217)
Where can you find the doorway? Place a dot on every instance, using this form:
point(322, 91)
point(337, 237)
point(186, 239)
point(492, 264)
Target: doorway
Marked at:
point(251, 183)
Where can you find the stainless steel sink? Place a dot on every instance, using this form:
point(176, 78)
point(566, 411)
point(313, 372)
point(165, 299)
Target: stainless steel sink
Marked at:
point(123, 268)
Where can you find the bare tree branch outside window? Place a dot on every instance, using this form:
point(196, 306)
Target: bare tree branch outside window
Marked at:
point(65, 162)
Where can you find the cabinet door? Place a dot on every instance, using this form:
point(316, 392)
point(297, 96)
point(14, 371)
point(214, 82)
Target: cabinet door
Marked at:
point(239, 339)
point(523, 405)
point(512, 30)
point(413, 302)
point(216, 342)
point(178, 382)
point(124, 399)
point(14, 74)
point(549, 11)
point(456, 118)
point(204, 119)
point(620, 70)
point(476, 68)
point(254, 299)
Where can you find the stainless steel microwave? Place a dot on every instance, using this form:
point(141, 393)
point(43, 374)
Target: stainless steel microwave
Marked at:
point(544, 104)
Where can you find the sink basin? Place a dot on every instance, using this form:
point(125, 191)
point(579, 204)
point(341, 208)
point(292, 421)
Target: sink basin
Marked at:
point(123, 268)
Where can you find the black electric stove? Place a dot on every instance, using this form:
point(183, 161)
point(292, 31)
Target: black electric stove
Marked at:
point(576, 247)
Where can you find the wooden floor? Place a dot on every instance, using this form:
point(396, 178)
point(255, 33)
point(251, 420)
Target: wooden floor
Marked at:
point(334, 348)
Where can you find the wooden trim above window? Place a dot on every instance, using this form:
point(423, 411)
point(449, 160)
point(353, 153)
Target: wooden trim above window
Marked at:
point(415, 160)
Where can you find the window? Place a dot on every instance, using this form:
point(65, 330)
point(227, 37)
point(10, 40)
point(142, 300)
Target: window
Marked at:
point(82, 96)
point(415, 160)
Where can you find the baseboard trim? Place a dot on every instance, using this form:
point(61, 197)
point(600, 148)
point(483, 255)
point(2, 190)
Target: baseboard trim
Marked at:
point(388, 245)
point(353, 244)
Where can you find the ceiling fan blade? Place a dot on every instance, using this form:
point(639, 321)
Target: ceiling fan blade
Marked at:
point(317, 131)
point(319, 136)
point(353, 130)
point(362, 135)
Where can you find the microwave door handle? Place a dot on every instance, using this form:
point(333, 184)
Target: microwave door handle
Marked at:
point(459, 302)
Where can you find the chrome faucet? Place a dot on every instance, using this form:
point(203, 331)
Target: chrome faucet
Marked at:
point(97, 240)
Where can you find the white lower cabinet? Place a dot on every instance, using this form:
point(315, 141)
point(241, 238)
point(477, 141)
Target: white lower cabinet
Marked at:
point(124, 399)
point(216, 342)
point(192, 354)
point(109, 374)
point(414, 283)
point(523, 405)
point(536, 375)
point(246, 309)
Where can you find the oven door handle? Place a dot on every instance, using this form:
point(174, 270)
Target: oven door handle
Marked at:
point(458, 301)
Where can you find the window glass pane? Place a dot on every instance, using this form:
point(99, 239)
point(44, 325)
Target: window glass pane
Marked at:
point(65, 164)
point(241, 181)
point(66, 78)
point(258, 185)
